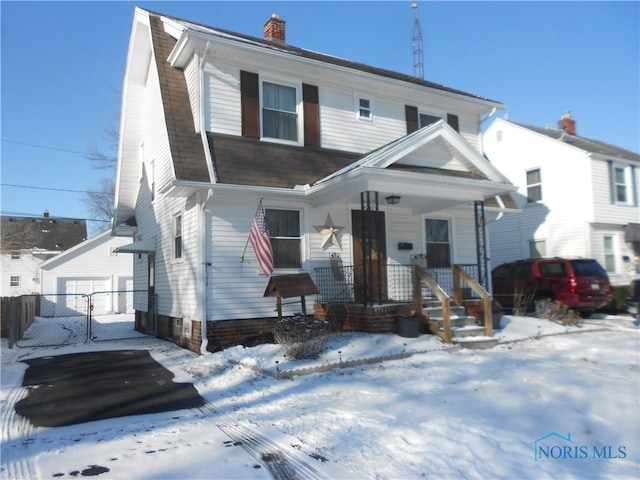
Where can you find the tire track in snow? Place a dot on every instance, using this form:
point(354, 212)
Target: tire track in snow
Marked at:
point(15, 428)
point(282, 465)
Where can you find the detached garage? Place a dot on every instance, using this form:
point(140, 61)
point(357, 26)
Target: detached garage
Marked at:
point(91, 267)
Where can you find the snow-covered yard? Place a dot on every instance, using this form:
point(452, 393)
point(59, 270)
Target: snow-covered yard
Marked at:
point(549, 402)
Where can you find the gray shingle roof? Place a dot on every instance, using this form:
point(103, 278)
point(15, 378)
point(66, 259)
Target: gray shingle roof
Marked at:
point(46, 233)
point(587, 144)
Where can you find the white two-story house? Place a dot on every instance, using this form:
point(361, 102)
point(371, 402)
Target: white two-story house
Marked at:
point(578, 197)
point(361, 172)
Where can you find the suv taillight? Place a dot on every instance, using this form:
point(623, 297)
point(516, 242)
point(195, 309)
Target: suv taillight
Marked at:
point(573, 285)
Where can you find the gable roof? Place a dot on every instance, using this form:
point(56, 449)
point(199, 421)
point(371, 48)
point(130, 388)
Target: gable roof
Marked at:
point(311, 55)
point(46, 233)
point(586, 144)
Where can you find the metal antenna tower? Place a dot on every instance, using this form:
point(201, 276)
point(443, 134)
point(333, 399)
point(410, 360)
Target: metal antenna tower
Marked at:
point(418, 57)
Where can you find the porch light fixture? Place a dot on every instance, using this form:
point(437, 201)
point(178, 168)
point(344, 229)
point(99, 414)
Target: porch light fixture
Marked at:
point(393, 199)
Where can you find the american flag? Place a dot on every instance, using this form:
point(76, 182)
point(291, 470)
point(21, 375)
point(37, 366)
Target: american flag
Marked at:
point(259, 236)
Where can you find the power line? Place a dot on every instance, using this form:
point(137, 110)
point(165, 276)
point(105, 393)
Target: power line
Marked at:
point(44, 146)
point(68, 190)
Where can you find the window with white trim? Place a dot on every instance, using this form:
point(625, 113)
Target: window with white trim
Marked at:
point(621, 182)
point(15, 255)
point(284, 234)
point(14, 281)
point(534, 186)
point(279, 111)
point(365, 111)
point(177, 236)
point(438, 243)
point(609, 253)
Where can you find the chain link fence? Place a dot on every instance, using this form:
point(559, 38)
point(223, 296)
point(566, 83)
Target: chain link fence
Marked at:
point(65, 319)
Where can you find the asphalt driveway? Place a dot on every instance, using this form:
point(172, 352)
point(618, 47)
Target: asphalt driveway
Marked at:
point(84, 387)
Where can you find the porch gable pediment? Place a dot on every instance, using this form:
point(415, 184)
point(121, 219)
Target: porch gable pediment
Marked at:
point(437, 148)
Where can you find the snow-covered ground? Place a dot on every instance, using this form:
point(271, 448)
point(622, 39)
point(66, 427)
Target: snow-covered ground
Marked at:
point(549, 402)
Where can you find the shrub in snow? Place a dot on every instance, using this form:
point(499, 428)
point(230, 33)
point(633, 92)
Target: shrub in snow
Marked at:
point(301, 336)
point(557, 312)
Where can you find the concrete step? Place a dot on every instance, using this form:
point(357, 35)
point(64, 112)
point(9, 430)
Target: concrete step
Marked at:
point(467, 331)
point(456, 321)
point(478, 343)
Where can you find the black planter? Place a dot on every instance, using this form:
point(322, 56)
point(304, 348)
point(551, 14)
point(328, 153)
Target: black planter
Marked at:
point(408, 326)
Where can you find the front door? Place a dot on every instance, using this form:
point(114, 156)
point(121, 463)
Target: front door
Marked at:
point(369, 256)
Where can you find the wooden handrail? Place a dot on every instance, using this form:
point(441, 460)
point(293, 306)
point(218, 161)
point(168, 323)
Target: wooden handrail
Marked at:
point(420, 276)
point(458, 275)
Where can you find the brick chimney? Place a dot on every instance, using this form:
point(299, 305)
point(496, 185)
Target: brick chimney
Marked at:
point(274, 29)
point(567, 123)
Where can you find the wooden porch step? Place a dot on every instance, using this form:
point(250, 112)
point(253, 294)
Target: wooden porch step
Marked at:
point(466, 331)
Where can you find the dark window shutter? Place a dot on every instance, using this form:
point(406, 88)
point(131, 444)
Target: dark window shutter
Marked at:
point(453, 121)
point(411, 114)
point(311, 112)
point(612, 183)
point(249, 91)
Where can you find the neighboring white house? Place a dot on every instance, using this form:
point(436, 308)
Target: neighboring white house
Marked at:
point(354, 165)
point(26, 242)
point(579, 197)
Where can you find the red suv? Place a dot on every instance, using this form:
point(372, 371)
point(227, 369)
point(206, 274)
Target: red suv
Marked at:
point(581, 284)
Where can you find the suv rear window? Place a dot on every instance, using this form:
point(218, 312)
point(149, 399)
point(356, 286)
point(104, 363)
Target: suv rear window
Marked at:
point(552, 269)
point(587, 268)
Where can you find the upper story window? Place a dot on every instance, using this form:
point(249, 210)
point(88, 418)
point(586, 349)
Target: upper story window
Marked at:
point(426, 119)
point(621, 185)
point(279, 112)
point(438, 243)
point(14, 281)
point(364, 109)
point(534, 186)
point(284, 231)
point(177, 236)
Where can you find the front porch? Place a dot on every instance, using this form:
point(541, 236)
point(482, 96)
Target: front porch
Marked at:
point(350, 304)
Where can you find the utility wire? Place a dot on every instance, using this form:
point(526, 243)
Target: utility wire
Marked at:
point(68, 190)
point(44, 146)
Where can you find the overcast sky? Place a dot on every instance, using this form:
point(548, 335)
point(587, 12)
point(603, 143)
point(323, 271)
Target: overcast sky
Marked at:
point(63, 66)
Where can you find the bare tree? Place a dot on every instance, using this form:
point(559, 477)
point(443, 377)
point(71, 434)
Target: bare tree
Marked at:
point(100, 200)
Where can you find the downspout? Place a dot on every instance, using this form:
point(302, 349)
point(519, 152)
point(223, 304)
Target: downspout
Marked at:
point(202, 269)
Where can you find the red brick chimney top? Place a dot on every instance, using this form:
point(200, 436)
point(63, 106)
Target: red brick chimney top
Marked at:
point(567, 123)
point(274, 29)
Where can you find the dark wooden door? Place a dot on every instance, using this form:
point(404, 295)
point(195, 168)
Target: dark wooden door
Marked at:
point(369, 255)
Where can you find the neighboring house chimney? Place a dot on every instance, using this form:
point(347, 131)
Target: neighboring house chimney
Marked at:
point(567, 123)
point(46, 214)
point(274, 29)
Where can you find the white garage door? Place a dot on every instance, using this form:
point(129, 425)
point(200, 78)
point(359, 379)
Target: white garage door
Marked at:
point(72, 293)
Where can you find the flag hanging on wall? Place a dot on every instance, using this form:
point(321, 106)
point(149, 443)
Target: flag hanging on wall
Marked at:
point(259, 237)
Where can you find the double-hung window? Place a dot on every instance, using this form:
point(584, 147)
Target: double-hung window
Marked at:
point(364, 109)
point(177, 236)
point(14, 281)
point(284, 233)
point(438, 243)
point(534, 186)
point(279, 111)
point(620, 185)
